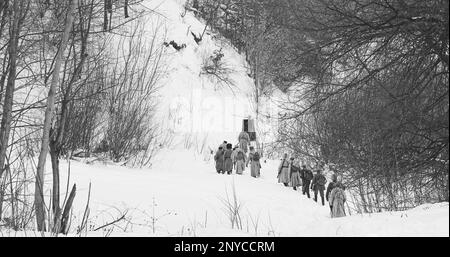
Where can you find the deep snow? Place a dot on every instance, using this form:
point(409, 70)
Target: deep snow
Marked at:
point(185, 194)
point(188, 187)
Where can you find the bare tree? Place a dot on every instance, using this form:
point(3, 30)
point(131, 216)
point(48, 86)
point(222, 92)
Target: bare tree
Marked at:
point(16, 11)
point(368, 95)
point(134, 78)
point(49, 114)
point(72, 107)
point(367, 86)
point(218, 70)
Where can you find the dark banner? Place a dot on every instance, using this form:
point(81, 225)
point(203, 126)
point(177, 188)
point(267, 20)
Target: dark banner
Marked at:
point(193, 247)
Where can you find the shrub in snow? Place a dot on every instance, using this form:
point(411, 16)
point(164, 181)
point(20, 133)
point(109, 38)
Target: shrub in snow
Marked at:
point(216, 68)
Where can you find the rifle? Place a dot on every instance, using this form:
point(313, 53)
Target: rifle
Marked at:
point(281, 167)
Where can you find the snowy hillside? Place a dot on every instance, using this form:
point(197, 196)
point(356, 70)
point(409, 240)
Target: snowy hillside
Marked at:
point(194, 106)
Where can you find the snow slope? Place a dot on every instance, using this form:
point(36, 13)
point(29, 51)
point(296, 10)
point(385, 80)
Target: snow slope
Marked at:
point(193, 106)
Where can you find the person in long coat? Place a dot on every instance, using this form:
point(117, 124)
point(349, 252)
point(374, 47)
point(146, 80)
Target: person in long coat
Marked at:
point(330, 187)
point(240, 160)
point(337, 200)
point(255, 165)
point(294, 175)
point(219, 159)
point(244, 141)
point(318, 185)
point(306, 176)
point(228, 162)
point(284, 171)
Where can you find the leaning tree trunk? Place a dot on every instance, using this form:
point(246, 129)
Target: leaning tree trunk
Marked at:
point(57, 134)
point(49, 113)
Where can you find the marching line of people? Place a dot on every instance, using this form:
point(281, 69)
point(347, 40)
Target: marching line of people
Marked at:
point(292, 176)
point(229, 158)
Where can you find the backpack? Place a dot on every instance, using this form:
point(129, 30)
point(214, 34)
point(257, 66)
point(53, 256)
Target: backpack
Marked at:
point(256, 156)
point(240, 156)
point(321, 180)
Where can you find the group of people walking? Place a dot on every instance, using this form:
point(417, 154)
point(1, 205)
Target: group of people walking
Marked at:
point(229, 158)
point(294, 176)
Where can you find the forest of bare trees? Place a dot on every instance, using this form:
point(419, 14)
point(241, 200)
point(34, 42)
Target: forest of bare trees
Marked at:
point(64, 92)
point(368, 87)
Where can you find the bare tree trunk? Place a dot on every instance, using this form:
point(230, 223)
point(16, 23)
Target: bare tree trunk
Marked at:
point(107, 10)
point(2, 196)
point(65, 216)
point(257, 87)
point(10, 85)
point(57, 134)
point(3, 20)
point(3, 15)
point(125, 7)
point(446, 191)
point(49, 113)
point(56, 182)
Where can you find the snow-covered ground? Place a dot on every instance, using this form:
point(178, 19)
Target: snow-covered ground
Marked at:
point(188, 191)
point(186, 197)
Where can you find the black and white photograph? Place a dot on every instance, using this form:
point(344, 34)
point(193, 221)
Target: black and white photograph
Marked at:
point(224, 119)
